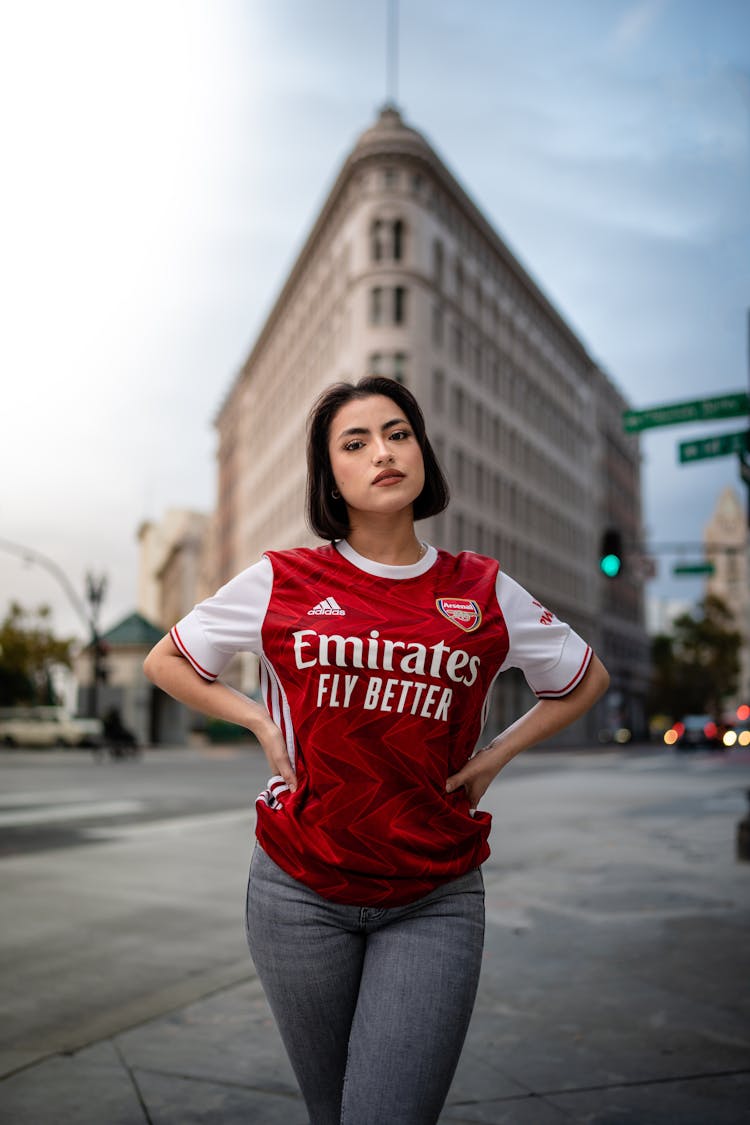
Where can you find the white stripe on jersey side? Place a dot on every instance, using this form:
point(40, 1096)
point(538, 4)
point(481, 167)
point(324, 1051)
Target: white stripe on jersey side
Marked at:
point(280, 712)
point(264, 683)
point(270, 690)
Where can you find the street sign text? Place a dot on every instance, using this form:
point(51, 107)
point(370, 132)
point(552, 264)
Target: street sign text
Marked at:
point(693, 568)
point(697, 410)
point(719, 446)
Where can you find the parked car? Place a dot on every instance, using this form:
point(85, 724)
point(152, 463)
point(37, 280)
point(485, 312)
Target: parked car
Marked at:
point(694, 732)
point(737, 735)
point(47, 726)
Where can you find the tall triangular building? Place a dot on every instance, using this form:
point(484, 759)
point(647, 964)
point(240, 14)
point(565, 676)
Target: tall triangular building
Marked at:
point(402, 275)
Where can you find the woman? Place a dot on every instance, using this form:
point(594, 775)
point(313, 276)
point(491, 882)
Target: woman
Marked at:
point(365, 906)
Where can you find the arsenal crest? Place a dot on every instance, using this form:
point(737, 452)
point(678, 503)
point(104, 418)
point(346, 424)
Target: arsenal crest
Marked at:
point(462, 612)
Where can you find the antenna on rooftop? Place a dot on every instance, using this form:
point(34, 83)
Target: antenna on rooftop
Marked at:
point(391, 53)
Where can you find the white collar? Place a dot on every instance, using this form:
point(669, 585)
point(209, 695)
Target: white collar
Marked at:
point(384, 570)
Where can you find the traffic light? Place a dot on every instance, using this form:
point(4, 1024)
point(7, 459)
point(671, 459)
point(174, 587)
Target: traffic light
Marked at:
point(610, 553)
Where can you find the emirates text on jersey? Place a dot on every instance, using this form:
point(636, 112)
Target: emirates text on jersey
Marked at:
point(336, 689)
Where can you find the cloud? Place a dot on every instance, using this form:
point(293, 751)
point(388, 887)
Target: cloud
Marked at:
point(166, 163)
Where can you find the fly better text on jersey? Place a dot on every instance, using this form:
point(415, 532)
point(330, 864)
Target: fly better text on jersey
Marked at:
point(378, 693)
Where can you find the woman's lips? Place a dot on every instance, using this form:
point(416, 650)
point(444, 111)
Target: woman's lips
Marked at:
point(390, 477)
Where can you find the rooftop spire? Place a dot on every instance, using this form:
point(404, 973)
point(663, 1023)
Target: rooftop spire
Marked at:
point(391, 54)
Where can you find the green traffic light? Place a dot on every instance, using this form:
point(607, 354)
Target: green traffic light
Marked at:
point(610, 565)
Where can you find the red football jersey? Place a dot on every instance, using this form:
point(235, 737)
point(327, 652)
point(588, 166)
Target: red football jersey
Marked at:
point(379, 678)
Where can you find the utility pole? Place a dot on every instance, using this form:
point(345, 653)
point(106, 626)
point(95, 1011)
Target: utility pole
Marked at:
point(96, 588)
point(744, 457)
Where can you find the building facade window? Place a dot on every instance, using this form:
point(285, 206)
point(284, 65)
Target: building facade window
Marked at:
point(459, 405)
point(478, 421)
point(388, 305)
point(479, 539)
point(476, 361)
point(460, 469)
point(387, 240)
point(458, 344)
point(480, 479)
point(376, 240)
point(458, 276)
point(376, 305)
point(393, 366)
point(438, 391)
point(438, 326)
point(397, 236)
point(438, 263)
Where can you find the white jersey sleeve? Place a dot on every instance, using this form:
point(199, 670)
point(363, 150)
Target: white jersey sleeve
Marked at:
point(552, 657)
point(227, 623)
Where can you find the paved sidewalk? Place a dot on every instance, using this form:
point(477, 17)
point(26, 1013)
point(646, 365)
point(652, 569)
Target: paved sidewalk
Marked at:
point(614, 987)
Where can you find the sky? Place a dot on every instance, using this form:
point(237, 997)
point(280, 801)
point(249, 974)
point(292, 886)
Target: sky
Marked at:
point(164, 160)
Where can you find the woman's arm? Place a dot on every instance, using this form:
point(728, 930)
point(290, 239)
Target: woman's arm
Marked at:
point(168, 669)
point(546, 718)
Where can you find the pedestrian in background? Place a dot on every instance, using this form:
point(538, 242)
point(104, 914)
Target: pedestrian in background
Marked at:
point(365, 903)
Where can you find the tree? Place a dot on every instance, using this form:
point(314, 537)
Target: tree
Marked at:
point(28, 653)
point(697, 666)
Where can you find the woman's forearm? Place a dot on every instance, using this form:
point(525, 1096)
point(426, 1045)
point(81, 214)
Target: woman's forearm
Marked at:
point(545, 719)
point(167, 668)
point(549, 716)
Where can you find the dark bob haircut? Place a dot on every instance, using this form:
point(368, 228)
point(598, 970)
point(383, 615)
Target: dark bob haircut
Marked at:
point(327, 516)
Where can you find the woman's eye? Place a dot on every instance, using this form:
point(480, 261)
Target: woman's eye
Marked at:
point(352, 446)
point(400, 435)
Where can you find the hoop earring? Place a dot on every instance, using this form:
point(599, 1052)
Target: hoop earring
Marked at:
point(335, 494)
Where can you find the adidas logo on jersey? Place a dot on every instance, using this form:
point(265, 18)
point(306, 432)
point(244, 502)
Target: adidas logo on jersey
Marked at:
point(329, 607)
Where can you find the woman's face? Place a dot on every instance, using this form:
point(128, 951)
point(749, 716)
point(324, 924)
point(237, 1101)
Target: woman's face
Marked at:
point(375, 457)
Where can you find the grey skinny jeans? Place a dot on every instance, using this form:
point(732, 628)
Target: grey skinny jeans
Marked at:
point(372, 1004)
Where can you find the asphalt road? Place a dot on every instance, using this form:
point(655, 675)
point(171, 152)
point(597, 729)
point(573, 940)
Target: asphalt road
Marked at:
point(123, 882)
point(122, 885)
point(63, 798)
point(52, 799)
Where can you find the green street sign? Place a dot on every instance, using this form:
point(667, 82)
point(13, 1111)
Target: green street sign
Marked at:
point(693, 568)
point(720, 446)
point(697, 410)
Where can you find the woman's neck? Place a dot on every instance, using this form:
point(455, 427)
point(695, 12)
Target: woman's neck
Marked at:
point(392, 546)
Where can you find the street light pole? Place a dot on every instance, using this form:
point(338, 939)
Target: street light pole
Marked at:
point(95, 590)
point(28, 554)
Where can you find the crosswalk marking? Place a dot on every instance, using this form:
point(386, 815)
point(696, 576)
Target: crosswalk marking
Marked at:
point(60, 813)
